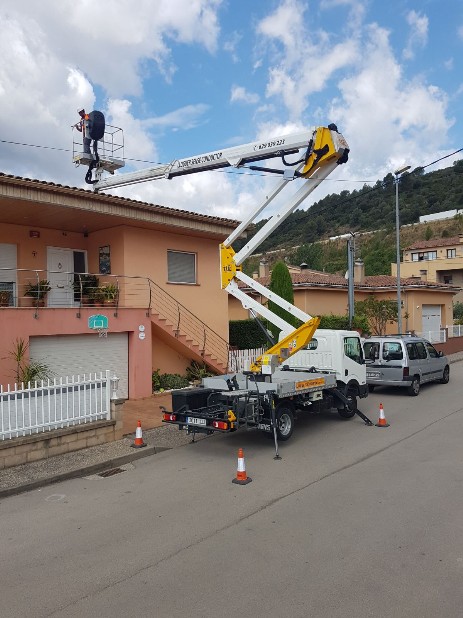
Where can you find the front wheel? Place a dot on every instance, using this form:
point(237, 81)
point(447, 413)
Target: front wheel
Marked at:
point(285, 422)
point(445, 375)
point(414, 387)
point(349, 410)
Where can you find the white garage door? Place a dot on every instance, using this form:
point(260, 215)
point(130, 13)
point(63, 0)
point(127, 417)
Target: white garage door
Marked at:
point(431, 319)
point(68, 355)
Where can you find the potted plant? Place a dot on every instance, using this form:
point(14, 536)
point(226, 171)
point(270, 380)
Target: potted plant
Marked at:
point(5, 296)
point(85, 287)
point(110, 293)
point(38, 291)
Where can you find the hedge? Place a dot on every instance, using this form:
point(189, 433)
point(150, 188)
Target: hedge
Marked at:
point(246, 334)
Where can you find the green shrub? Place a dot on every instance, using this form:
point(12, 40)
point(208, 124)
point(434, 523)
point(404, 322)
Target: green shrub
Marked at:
point(168, 381)
point(246, 334)
point(198, 371)
point(341, 322)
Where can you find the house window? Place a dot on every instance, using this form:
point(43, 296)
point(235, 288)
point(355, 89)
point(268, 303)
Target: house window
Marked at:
point(181, 267)
point(448, 279)
point(424, 255)
point(451, 253)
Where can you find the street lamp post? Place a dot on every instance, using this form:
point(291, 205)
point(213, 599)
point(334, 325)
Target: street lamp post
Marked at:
point(397, 175)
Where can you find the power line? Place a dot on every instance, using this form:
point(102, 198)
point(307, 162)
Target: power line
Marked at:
point(236, 171)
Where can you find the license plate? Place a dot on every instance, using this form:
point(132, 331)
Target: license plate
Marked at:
point(372, 374)
point(192, 420)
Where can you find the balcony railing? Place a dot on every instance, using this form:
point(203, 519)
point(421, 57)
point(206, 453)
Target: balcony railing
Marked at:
point(41, 289)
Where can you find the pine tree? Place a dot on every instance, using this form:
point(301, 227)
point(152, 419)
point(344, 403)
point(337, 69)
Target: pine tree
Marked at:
point(281, 284)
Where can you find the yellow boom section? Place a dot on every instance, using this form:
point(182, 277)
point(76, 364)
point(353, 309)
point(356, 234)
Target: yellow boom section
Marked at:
point(323, 152)
point(291, 344)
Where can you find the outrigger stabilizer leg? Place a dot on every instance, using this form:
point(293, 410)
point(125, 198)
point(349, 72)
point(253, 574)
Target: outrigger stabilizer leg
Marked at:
point(274, 425)
point(347, 402)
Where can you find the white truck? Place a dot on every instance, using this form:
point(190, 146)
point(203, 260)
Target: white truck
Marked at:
point(308, 369)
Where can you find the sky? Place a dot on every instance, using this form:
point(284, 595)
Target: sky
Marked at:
point(185, 77)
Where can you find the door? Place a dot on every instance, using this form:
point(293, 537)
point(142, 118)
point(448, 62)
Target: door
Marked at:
point(62, 266)
point(60, 275)
point(436, 362)
point(67, 355)
point(8, 274)
point(431, 322)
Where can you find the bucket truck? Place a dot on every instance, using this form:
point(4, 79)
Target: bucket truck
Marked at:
point(308, 369)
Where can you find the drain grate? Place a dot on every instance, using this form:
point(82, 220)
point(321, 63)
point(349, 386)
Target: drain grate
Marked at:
point(111, 472)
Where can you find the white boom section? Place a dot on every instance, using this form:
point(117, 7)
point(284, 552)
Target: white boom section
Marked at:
point(309, 185)
point(250, 303)
point(260, 236)
point(312, 180)
point(229, 157)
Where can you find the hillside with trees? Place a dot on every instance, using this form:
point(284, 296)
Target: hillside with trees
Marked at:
point(370, 214)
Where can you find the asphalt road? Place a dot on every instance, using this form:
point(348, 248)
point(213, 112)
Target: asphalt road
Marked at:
point(354, 521)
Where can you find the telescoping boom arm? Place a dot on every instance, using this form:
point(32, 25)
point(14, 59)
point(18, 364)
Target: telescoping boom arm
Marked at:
point(238, 156)
point(324, 149)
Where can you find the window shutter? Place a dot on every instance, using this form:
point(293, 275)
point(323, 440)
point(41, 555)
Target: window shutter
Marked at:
point(181, 267)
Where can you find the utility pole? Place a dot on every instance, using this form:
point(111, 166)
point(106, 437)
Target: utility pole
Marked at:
point(350, 276)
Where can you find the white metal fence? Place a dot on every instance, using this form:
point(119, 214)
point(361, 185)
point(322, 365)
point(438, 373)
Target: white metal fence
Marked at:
point(456, 330)
point(240, 360)
point(434, 336)
point(54, 404)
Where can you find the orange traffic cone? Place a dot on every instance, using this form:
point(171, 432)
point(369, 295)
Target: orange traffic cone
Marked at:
point(241, 477)
point(382, 422)
point(138, 442)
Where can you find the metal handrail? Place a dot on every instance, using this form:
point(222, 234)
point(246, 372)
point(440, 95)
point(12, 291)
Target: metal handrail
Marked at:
point(149, 295)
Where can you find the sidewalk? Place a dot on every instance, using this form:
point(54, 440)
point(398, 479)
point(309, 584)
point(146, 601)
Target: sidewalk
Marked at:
point(157, 436)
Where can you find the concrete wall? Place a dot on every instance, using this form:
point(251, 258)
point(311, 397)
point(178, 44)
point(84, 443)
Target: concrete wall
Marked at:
point(43, 445)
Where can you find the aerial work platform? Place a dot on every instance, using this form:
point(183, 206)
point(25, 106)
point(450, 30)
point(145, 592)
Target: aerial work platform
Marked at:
point(110, 151)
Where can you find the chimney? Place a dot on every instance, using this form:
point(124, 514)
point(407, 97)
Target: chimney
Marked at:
point(423, 275)
point(264, 268)
point(460, 238)
point(303, 266)
point(255, 275)
point(359, 271)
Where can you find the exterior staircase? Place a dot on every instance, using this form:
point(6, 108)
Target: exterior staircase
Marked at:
point(184, 331)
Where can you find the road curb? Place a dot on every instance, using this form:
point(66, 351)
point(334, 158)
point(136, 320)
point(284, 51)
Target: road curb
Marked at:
point(114, 462)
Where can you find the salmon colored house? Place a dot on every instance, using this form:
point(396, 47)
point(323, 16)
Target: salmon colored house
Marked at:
point(427, 306)
point(154, 301)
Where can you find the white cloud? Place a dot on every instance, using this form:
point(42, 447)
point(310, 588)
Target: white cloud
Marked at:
point(55, 55)
point(231, 44)
point(305, 60)
point(418, 36)
point(387, 119)
point(238, 93)
point(186, 117)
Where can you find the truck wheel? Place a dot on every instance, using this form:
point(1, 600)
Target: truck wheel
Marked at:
point(445, 375)
point(349, 412)
point(285, 422)
point(414, 387)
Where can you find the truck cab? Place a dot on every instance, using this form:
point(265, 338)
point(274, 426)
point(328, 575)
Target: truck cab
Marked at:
point(339, 352)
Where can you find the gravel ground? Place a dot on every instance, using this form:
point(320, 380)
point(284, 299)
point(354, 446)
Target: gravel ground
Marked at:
point(97, 458)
